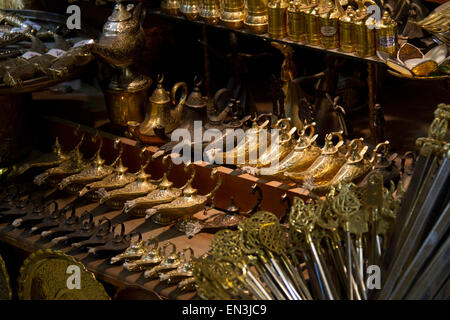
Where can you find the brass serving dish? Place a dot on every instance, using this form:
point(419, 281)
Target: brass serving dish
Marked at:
point(186, 205)
point(325, 166)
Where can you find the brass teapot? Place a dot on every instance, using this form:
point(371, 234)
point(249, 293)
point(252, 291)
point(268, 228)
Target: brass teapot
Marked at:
point(164, 111)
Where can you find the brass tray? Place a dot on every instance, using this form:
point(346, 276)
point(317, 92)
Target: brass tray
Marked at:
point(45, 276)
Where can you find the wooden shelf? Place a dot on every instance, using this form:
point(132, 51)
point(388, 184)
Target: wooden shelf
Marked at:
point(266, 37)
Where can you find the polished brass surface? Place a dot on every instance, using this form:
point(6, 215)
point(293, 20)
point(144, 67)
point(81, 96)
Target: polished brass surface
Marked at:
point(163, 109)
point(171, 261)
point(233, 14)
point(313, 33)
point(329, 24)
point(257, 19)
point(152, 255)
point(115, 199)
point(128, 104)
point(44, 276)
point(171, 6)
point(210, 11)
point(95, 170)
point(387, 35)
point(364, 29)
point(325, 166)
point(277, 11)
point(297, 20)
point(188, 204)
point(190, 9)
point(52, 159)
point(163, 194)
point(346, 31)
point(181, 272)
point(133, 252)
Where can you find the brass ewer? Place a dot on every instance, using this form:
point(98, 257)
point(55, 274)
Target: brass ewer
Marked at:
point(257, 19)
point(329, 24)
point(190, 9)
point(210, 11)
point(164, 111)
point(325, 166)
point(387, 35)
point(297, 20)
point(346, 32)
point(277, 10)
point(170, 6)
point(313, 33)
point(233, 14)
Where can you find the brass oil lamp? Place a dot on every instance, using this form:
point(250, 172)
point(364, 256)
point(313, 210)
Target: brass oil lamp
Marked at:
point(257, 19)
point(277, 10)
point(233, 14)
point(387, 35)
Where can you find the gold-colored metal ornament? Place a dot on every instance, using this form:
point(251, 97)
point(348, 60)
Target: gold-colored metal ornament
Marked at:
point(313, 33)
point(346, 31)
point(304, 153)
point(257, 19)
point(115, 199)
point(210, 11)
point(43, 276)
point(325, 166)
point(119, 178)
point(150, 257)
point(187, 205)
point(297, 20)
point(71, 166)
point(277, 11)
point(170, 7)
point(163, 110)
point(329, 24)
point(56, 157)
point(183, 271)
point(233, 14)
point(190, 9)
point(5, 287)
point(171, 261)
point(133, 252)
point(364, 30)
point(387, 35)
point(163, 194)
point(94, 171)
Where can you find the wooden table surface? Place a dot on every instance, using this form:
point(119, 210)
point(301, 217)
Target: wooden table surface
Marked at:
point(115, 275)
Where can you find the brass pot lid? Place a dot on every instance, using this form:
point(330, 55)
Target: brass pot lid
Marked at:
point(5, 288)
point(45, 276)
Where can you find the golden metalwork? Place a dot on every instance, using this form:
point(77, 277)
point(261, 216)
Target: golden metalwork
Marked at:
point(183, 271)
point(94, 171)
point(133, 252)
point(329, 24)
point(165, 193)
point(364, 29)
point(387, 35)
point(170, 6)
point(277, 11)
point(346, 32)
point(313, 23)
point(5, 287)
point(210, 11)
point(150, 257)
point(56, 157)
point(142, 185)
point(233, 14)
point(297, 20)
point(44, 276)
point(325, 166)
point(171, 261)
point(257, 19)
point(190, 9)
point(186, 205)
